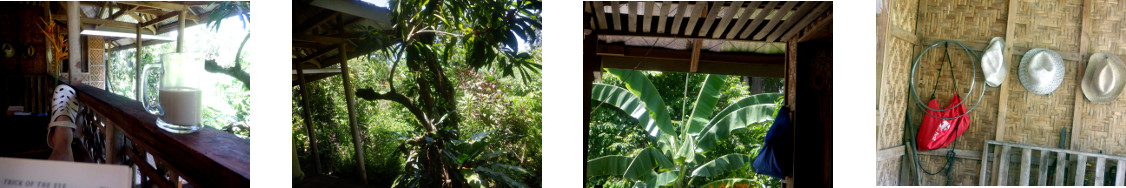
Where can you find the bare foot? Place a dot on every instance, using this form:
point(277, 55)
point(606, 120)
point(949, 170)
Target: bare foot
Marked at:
point(60, 140)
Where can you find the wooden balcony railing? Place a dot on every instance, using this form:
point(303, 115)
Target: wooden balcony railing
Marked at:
point(1049, 159)
point(117, 130)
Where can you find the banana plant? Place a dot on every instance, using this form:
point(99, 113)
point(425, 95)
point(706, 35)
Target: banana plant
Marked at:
point(672, 158)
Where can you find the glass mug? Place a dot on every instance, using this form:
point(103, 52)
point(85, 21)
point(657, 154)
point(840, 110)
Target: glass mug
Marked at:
point(178, 108)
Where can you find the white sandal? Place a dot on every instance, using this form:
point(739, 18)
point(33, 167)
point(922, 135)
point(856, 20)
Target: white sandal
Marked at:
point(63, 103)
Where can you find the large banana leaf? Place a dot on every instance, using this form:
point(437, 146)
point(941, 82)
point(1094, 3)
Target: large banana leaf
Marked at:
point(662, 179)
point(629, 103)
point(613, 165)
point(730, 183)
point(738, 119)
point(640, 86)
point(765, 98)
point(721, 165)
point(644, 165)
point(705, 102)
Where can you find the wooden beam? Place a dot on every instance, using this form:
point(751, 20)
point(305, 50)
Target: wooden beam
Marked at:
point(695, 55)
point(1025, 166)
point(1080, 102)
point(1080, 170)
point(124, 9)
point(314, 22)
point(802, 12)
point(770, 6)
point(676, 21)
point(1100, 166)
point(890, 153)
point(742, 20)
point(727, 17)
point(95, 21)
point(350, 99)
point(816, 14)
point(308, 120)
point(156, 4)
point(1003, 168)
point(962, 154)
point(1003, 96)
point(161, 18)
point(321, 38)
point(777, 19)
point(754, 69)
point(319, 53)
point(685, 55)
point(1042, 179)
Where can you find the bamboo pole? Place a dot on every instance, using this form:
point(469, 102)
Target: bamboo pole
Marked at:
point(73, 27)
point(350, 98)
point(308, 118)
point(137, 67)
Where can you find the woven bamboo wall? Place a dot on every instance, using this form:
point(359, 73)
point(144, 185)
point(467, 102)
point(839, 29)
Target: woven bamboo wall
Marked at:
point(1104, 125)
point(1028, 118)
point(897, 53)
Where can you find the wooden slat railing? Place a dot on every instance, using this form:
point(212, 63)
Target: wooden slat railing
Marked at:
point(1066, 163)
point(117, 130)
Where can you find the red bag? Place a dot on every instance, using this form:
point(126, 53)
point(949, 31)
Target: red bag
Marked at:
point(936, 132)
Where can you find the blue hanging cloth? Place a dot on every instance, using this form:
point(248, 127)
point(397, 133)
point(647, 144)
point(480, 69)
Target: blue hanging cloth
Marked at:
point(777, 149)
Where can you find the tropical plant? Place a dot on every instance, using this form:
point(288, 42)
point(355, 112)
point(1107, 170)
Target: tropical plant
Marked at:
point(673, 155)
point(57, 38)
point(429, 36)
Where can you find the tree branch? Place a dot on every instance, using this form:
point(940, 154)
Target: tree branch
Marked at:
point(234, 71)
point(371, 95)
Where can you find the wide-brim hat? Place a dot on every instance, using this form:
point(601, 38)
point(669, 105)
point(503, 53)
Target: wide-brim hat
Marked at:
point(1041, 71)
point(993, 62)
point(1105, 77)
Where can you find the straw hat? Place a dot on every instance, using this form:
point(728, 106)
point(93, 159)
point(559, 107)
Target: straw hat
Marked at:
point(1041, 71)
point(993, 63)
point(1104, 79)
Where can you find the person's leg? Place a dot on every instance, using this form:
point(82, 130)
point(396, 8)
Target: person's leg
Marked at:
point(60, 131)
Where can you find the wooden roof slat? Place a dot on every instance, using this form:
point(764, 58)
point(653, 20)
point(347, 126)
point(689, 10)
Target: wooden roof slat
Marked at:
point(786, 9)
point(708, 22)
point(731, 11)
point(313, 22)
point(743, 19)
point(320, 52)
point(802, 12)
point(633, 9)
point(122, 11)
point(817, 12)
point(616, 13)
point(758, 19)
point(649, 13)
point(694, 17)
point(600, 15)
point(676, 19)
point(663, 15)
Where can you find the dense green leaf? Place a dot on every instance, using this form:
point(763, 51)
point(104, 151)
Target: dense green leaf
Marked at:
point(705, 102)
point(765, 98)
point(639, 85)
point(722, 164)
point(622, 99)
point(645, 165)
point(730, 183)
point(614, 165)
point(742, 117)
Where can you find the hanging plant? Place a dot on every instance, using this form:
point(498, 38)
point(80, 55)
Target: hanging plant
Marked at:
point(58, 42)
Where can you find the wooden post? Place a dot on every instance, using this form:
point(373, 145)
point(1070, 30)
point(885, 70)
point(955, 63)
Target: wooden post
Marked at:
point(1080, 102)
point(1080, 170)
point(180, 33)
point(695, 55)
point(308, 117)
point(350, 98)
point(137, 66)
point(1025, 165)
point(1042, 178)
point(984, 162)
point(74, 25)
point(1120, 178)
point(1003, 166)
point(1099, 167)
point(1061, 163)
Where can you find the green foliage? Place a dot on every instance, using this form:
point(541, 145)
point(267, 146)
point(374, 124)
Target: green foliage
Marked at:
point(698, 146)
